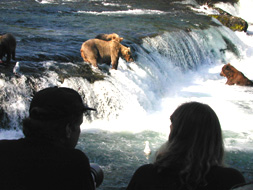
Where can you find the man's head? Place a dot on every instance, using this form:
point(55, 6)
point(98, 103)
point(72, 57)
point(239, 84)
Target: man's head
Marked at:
point(56, 114)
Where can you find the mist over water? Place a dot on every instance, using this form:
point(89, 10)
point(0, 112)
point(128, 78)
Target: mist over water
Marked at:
point(241, 9)
point(173, 65)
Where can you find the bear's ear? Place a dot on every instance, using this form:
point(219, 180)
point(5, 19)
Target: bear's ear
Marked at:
point(126, 51)
point(129, 48)
point(120, 39)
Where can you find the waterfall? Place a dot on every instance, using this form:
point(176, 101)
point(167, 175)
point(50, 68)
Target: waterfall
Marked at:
point(136, 89)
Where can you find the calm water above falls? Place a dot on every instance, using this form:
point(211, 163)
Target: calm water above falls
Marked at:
point(177, 59)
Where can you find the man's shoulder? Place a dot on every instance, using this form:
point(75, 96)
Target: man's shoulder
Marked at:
point(9, 143)
point(78, 154)
point(68, 156)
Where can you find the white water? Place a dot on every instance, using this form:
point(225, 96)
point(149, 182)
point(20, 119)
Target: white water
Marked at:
point(127, 12)
point(242, 9)
point(145, 97)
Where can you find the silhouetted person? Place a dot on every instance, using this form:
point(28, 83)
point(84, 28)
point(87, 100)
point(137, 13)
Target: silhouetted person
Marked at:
point(192, 158)
point(46, 158)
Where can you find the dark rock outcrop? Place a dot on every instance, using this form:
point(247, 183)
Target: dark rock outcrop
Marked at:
point(211, 2)
point(232, 22)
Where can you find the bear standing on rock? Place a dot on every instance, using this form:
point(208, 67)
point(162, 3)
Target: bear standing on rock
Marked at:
point(97, 51)
point(7, 46)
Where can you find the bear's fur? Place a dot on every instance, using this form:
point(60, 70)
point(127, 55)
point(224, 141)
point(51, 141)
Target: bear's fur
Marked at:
point(7, 46)
point(97, 51)
point(234, 76)
point(109, 37)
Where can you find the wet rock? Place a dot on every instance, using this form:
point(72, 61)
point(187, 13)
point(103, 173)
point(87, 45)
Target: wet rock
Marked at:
point(82, 70)
point(211, 2)
point(63, 71)
point(228, 20)
point(232, 22)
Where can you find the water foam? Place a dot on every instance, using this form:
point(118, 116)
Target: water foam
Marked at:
point(242, 9)
point(125, 12)
point(46, 1)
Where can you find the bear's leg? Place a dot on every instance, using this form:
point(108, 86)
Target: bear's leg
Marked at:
point(115, 62)
point(94, 62)
point(83, 56)
point(115, 65)
point(8, 57)
point(230, 83)
point(13, 55)
point(2, 52)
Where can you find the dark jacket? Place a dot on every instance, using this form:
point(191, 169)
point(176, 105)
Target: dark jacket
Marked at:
point(34, 164)
point(146, 177)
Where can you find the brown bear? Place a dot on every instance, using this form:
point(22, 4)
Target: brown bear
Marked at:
point(234, 76)
point(7, 46)
point(109, 37)
point(97, 51)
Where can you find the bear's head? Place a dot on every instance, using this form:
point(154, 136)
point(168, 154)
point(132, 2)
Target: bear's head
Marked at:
point(116, 37)
point(110, 37)
point(126, 53)
point(228, 71)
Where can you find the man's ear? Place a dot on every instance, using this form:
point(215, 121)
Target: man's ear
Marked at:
point(68, 131)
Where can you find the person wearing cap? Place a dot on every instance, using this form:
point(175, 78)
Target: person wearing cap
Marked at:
point(46, 157)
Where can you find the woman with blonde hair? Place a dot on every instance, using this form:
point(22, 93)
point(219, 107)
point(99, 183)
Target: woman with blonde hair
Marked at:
point(192, 158)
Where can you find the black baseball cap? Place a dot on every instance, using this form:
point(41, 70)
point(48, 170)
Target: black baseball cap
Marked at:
point(56, 103)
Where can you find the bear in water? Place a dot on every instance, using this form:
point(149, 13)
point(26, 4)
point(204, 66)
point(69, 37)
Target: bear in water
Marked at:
point(234, 76)
point(7, 46)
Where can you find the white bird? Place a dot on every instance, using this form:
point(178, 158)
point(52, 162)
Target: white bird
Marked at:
point(147, 149)
point(16, 69)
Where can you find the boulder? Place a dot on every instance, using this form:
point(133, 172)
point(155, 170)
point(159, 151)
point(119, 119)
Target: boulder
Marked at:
point(232, 22)
point(228, 20)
